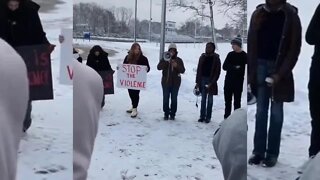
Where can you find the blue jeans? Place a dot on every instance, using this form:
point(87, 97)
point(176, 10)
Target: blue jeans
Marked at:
point(267, 142)
point(206, 106)
point(167, 93)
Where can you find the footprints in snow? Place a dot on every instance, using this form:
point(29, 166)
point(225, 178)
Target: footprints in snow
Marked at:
point(51, 170)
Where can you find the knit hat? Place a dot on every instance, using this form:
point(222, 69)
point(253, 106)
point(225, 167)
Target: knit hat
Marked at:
point(172, 46)
point(237, 41)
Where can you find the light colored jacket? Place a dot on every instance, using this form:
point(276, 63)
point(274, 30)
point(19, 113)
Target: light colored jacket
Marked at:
point(230, 145)
point(87, 98)
point(14, 95)
point(312, 171)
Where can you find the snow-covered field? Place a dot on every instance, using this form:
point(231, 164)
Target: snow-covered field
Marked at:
point(148, 147)
point(296, 129)
point(46, 149)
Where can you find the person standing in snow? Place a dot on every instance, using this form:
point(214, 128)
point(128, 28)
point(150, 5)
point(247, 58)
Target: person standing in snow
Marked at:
point(99, 61)
point(313, 38)
point(135, 57)
point(14, 95)
point(235, 65)
point(87, 97)
point(208, 72)
point(171, 80)
point(274, 43)
point(20, 25)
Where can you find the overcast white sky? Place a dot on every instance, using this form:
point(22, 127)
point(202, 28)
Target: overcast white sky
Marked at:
point(144, 11)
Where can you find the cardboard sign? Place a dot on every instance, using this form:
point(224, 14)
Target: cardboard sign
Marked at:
point(38, 62)
point(107, 77)
point(66, 58)
point(132, 76)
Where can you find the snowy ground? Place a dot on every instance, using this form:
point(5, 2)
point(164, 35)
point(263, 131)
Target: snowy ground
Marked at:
point(296, 129)
point(46, 150)
point(148, 147)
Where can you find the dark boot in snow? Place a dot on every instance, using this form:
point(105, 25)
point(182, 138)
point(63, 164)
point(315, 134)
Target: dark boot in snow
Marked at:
point(270, 161)
point(255, 159)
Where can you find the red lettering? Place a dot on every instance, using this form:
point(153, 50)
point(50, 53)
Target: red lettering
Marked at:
point(70, 72)
point(44, 59)
point(38, 78)
point(124, 68)
point(107, 85)
point(138, 69)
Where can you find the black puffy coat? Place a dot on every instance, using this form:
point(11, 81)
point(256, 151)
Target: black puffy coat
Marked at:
point(98, 63)
point(23, 26)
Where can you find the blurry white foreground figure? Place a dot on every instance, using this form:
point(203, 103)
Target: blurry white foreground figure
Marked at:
point(87, 98)
point(230, 145)
point(14, 95)
point(312, 171)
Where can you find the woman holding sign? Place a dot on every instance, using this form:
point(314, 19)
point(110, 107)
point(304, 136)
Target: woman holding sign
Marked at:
point(20, 26)
point(135, 57)
point(98, 60)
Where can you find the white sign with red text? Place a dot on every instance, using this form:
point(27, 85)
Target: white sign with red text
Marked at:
point(66, 58)
point(131, 76)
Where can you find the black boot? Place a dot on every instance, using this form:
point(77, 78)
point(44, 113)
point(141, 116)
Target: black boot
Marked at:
point(201, 120)
point(255, 159)
point(269, 161)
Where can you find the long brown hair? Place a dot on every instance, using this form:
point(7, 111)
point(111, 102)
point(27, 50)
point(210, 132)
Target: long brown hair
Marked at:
point(133, 58)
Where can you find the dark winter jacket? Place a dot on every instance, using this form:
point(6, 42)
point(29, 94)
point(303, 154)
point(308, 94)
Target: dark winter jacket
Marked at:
point(23, 26)
point(215, 72)
point(171, 77)
point(289, 50)
point(235, 65)
point(98, 63)
point(143, 61)
point(313, 38)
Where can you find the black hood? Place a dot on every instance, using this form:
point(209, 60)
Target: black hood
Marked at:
point(98, 48)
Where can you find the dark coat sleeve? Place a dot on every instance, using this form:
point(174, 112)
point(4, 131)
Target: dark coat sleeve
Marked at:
point(226, 64)
point(217, 70)
point(294, 48)
point(162, 65)
point(39, 36)
point(250, 49)
point(106, 63)
point(90, 61)
point(146, 63)
point(313, 31)
point(125, 61)
point(199, 69)
point(181, 69)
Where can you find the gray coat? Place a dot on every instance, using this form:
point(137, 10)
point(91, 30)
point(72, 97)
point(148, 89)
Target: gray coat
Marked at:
point(14, 95)
point(230, 145)
point(87, 98)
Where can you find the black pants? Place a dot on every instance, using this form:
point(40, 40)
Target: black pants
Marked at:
point(134, 96)
point(314, 100)
point(230, 92)
point(27, 120)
